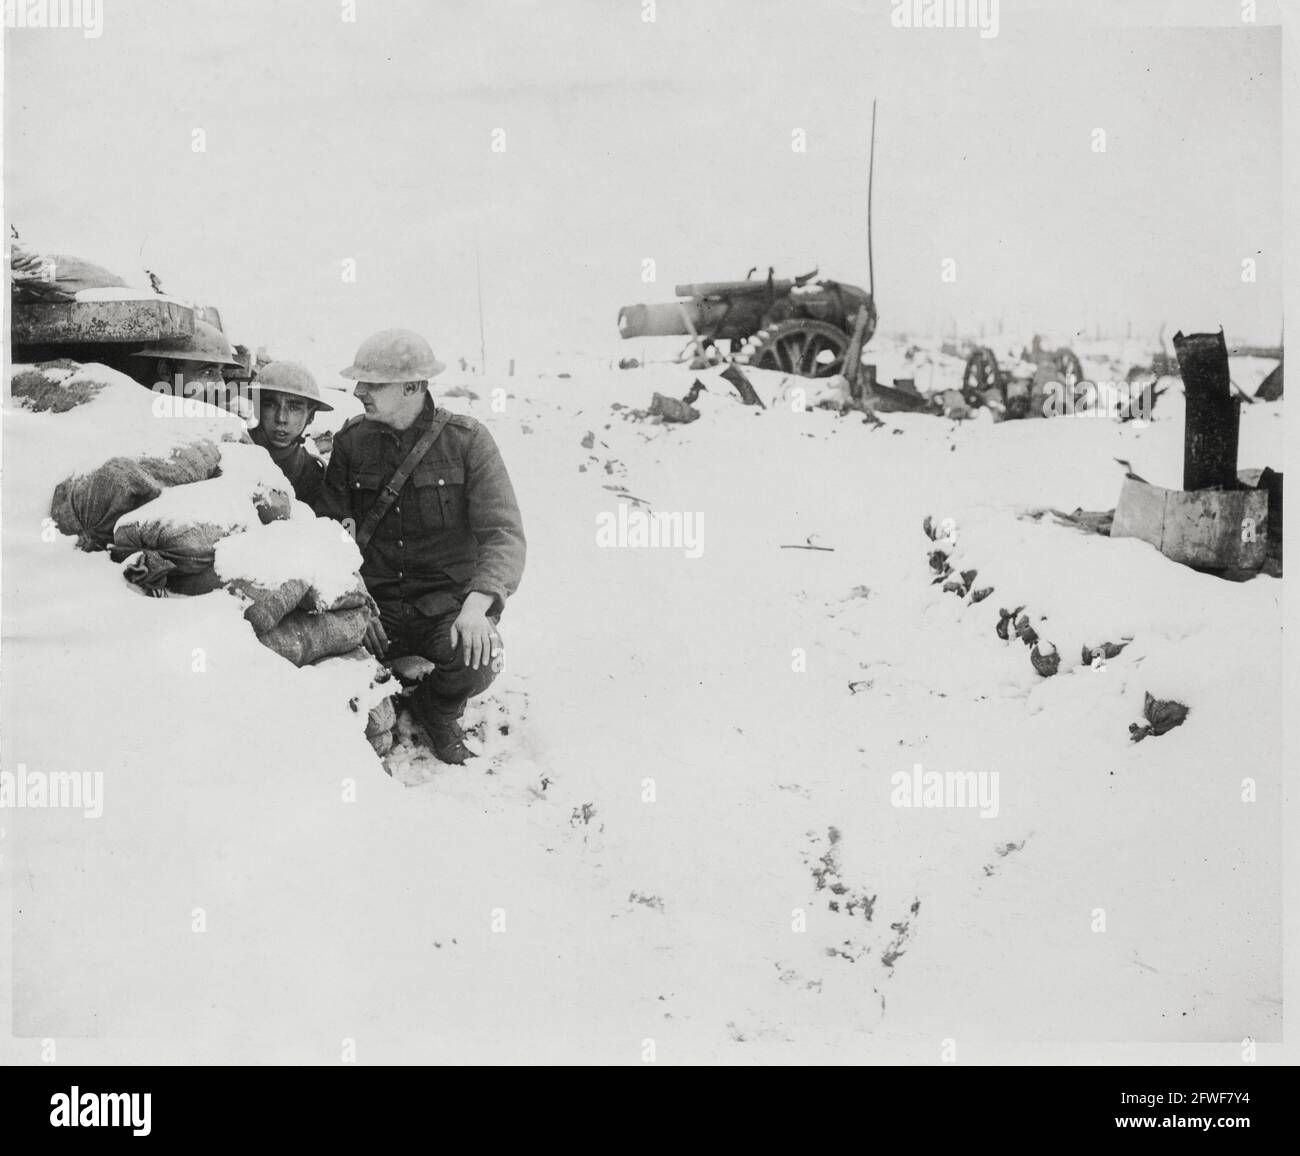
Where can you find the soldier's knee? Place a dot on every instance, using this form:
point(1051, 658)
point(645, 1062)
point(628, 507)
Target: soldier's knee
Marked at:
point(483, 678)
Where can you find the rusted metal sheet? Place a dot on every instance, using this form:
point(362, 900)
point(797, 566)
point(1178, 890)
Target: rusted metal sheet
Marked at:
point(1214, 529)
point(883, 399)
point(1270, 389)
point(81, 322)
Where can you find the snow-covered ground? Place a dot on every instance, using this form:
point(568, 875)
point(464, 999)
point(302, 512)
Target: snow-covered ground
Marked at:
point(682, 841)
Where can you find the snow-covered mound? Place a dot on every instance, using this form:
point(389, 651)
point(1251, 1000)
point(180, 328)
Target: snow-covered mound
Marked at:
point(684, 834)
point(227, 501)
point(317, 550)
point(121, 419)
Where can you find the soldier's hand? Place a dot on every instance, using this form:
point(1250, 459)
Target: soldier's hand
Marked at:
point(472, 632)
point(376, 641)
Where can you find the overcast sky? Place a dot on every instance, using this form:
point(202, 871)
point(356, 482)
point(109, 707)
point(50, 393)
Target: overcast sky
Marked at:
point(625, 140)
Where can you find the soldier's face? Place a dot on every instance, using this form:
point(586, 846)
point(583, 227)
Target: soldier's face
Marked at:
point(194, 375)
point(193, 379)
point(283, 417)
point(385, 402)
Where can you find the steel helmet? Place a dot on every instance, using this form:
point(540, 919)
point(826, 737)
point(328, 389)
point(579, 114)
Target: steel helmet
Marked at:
point(292, 378)
point(394, 355)
point(206, 343)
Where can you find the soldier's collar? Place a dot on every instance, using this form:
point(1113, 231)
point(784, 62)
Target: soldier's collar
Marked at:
point(427, 414)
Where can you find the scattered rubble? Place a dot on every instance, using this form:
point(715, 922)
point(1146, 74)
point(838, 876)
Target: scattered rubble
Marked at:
point(1161, 715)
point(670, 409)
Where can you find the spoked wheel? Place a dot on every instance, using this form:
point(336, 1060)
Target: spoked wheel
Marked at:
point(1068, 366)
point(804, 347)
point(981, 374)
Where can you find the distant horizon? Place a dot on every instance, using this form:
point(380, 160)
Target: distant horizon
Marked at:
point(253, 166)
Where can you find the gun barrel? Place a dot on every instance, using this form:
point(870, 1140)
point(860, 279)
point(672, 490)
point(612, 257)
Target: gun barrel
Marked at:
point(659, 320)
point(732, 288)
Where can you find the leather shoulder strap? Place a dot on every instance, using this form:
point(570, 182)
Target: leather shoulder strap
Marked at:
point(393, 487)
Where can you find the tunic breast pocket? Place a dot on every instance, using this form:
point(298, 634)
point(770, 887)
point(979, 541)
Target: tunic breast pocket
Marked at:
point(363, 489)
point(440, 491)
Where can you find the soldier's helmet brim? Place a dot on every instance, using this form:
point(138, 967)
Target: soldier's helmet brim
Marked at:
point(207, 344)
point(393, 355)
point(292, 378)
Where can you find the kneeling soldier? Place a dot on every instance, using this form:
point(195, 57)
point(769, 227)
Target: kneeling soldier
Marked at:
point(428, 500)
point(287, 400)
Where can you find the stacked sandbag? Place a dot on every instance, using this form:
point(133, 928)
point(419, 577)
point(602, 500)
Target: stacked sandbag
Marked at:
point(55, 277)
point(304, 638)
point(126, 455)
point(379, 726)
point(298, 579)
point(248, 470)
point(90, 504)
point(160, 553)
point(169, 544)
point(301, 624)
point(268, 606)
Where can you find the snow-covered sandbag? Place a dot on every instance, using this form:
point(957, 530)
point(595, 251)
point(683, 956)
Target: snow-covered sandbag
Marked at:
point(248, 469)
point(313, 556)
point(267, 606)
point(316, 603)
point(155, 574)
point(273, 505)
point(55, 277)
point(177, 532)
point(357, 654)
point(382, 743)
point(305, 638)
point(382, 717)
point(90, 504)
point(155, 550)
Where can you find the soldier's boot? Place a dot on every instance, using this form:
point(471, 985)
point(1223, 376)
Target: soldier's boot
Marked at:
point(448, 741)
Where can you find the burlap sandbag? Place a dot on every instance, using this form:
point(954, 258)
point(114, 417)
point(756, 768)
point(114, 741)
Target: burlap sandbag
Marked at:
point(382, 717)
point(90, 504)
point(271, 604)
point(55, 276)
point(167, 551)
point(273, 505)
point(357, 596)
point(305, 638)
point(156, 575)
point(358, 654)
point(204, 582)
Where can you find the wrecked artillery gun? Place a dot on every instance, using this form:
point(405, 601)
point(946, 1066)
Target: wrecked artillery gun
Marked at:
point(801, 326)
point(1015, 390)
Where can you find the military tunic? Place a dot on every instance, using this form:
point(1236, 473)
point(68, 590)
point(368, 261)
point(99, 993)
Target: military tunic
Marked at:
point(453, 529)
point(305, 473)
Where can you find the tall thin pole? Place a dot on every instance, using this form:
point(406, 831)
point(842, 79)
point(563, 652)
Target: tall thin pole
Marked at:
point(482, 341)
point(871, 172)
